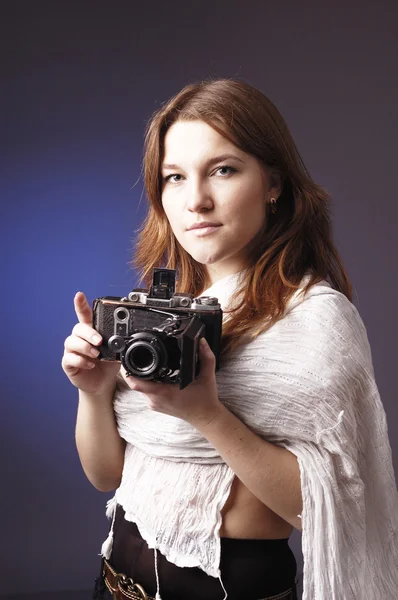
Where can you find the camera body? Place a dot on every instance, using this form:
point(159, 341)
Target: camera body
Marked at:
point(155, 333)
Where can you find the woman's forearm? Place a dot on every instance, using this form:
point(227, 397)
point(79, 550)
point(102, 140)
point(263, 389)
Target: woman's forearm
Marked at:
point(270, 472)
point(100, 448)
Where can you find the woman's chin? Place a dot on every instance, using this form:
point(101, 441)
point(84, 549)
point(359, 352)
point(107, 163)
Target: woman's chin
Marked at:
point(205, 259)
point(218, 265)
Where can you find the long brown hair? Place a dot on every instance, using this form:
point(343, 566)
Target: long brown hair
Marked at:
point(296, 240)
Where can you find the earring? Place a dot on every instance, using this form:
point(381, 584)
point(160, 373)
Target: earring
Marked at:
point(273, 207)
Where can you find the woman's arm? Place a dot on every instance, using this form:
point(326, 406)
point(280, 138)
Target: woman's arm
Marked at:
point(100, 448)
point(270, 472)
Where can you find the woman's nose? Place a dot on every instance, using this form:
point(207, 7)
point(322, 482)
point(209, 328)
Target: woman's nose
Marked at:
point(199, 197)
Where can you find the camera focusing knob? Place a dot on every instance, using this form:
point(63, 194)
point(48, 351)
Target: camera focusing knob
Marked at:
point(116, 343)
point(134, 297)
point(185, 301)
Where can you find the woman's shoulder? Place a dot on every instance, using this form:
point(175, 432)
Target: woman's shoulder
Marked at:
point(322, 291)
point(318, 323)
point(323, 305)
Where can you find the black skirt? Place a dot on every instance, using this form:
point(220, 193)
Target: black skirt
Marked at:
point(250, 569)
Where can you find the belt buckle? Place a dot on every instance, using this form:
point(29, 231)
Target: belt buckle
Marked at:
point(127, 585)
point(114, 590)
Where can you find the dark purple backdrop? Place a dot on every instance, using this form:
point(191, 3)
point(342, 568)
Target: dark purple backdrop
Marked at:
point(78, 82)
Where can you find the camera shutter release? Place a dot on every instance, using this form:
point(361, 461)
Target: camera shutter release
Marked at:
point(209, 300)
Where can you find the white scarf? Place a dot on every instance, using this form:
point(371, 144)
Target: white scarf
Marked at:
point(306, 384)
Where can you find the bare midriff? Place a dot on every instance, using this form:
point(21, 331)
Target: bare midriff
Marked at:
point(245, 517)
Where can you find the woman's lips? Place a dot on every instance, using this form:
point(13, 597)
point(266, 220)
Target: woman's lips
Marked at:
point(203, 229)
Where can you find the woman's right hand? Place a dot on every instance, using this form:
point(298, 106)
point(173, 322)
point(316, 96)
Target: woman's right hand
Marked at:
point(80, 362)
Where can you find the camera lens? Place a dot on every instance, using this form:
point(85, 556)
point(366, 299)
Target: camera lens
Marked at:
point(145, 355)
point(142, 358)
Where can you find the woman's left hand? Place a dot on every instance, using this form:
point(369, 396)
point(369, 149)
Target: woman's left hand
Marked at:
point(197, 404)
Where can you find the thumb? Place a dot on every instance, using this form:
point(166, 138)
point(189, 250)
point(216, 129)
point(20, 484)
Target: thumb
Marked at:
point(83, 309)
point(207, 359)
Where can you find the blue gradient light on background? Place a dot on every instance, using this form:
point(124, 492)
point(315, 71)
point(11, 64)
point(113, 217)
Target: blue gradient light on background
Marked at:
point(79, 81)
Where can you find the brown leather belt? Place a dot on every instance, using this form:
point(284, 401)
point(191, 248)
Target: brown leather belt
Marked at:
point(122, 587)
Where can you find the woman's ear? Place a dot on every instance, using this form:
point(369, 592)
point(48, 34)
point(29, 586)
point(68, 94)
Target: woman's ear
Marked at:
point(275, 184)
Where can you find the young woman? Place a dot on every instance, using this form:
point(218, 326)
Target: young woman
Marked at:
point(290, 432)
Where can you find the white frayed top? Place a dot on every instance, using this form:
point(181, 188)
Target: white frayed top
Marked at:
point(307, 384)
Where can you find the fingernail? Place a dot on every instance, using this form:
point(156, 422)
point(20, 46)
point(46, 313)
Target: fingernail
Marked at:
point(96, 339)
point(94, 352)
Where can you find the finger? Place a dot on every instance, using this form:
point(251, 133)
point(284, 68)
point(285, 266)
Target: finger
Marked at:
point(77, 344)
point(207, 359)
point(87, 333)
point(72, 363)
point(83, 309)
point(141, 385)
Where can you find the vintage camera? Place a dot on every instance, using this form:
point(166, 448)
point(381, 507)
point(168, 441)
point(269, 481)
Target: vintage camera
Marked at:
point(156, 333)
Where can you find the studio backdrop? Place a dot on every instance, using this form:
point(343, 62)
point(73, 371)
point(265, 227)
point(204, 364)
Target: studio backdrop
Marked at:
point(79, 81)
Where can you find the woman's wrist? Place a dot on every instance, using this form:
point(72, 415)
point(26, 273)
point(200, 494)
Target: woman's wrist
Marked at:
point(102, 397)
point(202, 422)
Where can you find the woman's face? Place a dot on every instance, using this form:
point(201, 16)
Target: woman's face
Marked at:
point(214, 196)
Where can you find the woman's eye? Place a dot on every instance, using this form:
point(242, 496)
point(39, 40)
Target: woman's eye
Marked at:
point(222, 171)
point(171, 178)
point(225, 170)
